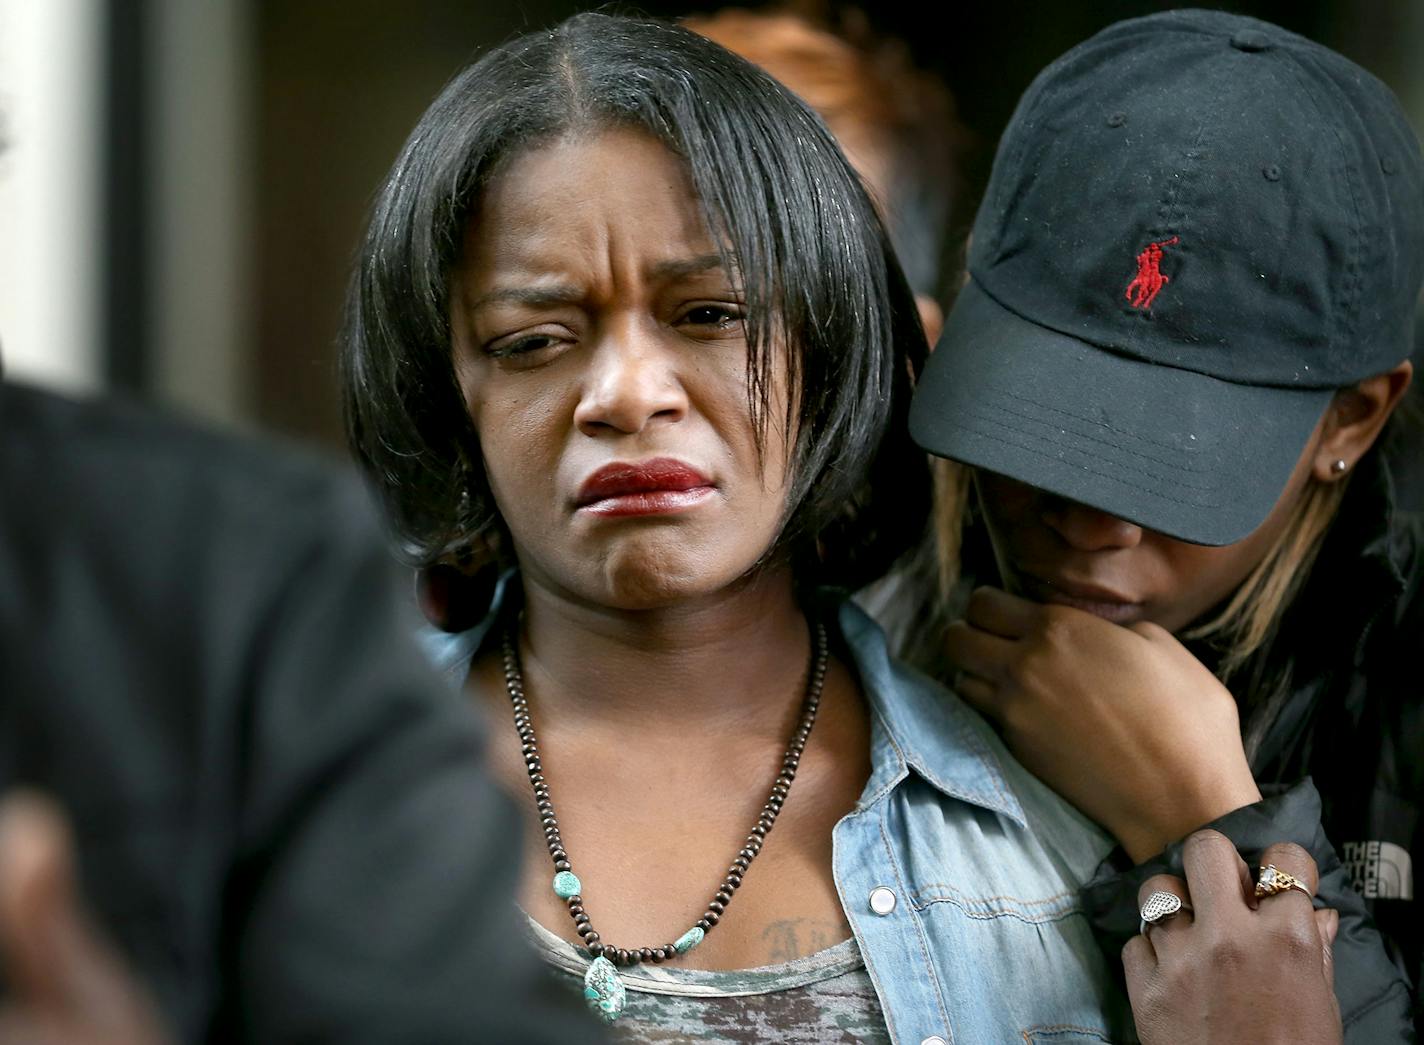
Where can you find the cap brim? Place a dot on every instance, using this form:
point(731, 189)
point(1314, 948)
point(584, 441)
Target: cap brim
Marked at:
point(1191, 456)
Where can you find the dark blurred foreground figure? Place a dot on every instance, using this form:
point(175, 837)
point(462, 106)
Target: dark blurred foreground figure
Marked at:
point(280, 818)
point(1188, 321)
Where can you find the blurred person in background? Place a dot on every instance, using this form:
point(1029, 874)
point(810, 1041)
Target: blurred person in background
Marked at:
point(1191, 306)
point(261, 818)
point(895, 124)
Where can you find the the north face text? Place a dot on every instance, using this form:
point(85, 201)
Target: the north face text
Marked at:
point(1379, 870)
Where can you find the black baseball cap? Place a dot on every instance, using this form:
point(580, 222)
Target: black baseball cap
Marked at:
point(1199, 226)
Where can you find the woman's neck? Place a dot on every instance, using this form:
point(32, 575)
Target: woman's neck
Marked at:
point(707, 662)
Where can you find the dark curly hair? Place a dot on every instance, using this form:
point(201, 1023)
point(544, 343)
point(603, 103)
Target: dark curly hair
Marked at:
point(790, 216)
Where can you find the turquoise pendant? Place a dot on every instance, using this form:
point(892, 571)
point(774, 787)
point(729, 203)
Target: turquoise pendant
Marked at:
point(689, 940)
point(604, 990)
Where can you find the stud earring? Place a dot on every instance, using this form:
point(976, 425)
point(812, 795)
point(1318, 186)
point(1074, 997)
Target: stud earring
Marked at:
point(466, 476)
point(1339, 467)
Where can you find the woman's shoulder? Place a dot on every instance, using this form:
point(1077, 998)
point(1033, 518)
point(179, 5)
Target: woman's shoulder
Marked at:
point(957, 751)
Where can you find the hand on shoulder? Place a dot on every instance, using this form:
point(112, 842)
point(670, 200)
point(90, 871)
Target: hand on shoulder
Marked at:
point(1231, 960)
point(1122, 721)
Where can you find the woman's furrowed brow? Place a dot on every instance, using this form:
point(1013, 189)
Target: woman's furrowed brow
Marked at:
point(538, 296)
point(681, 268)
point(549, 294)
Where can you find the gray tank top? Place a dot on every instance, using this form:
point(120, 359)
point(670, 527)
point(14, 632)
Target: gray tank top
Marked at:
point(822, 998)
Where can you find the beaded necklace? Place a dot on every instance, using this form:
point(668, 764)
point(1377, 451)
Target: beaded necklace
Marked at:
point(603, 989)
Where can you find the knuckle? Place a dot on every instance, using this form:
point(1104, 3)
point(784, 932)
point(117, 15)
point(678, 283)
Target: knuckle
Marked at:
point(1289, 856)
point(1135, 955)
point(1148, 630)
point(1298, 942)
point(979, 600)
point(1016, 720)
point(954, 635)
point(1022, 671)
point(1227, 952)
point(1059, 627)
point(1034, 679)
point(1208, 841)
point(1152, 995)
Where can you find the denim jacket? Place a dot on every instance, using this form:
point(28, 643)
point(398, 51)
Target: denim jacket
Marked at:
point(959, 872)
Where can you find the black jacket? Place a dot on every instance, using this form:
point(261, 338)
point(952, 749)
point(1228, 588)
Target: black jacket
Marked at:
point(281, 815)
point(1342, 766)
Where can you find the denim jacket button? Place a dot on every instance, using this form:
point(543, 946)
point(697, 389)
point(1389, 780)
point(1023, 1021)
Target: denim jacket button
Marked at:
point(882, 902)
point(934, 1040)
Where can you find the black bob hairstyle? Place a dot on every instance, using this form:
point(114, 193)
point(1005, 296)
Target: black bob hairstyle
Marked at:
point(790, 216)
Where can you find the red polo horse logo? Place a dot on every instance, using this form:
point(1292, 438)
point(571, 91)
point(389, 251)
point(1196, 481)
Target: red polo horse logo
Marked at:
point(1149, 281)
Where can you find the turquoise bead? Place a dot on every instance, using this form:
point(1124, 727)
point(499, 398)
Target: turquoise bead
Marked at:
point(689, 940)
point(604, 990)
point(566, 884)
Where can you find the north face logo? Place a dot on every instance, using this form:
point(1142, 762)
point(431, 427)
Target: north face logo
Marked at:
point(1379, 870)
point(1149, 281)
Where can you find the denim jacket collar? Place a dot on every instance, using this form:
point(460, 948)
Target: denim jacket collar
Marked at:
point(915, 724)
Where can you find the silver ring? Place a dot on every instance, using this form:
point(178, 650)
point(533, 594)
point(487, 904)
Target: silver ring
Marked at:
point(1160, 906)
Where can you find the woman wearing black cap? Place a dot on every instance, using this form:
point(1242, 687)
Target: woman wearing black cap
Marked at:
point(1187, 322)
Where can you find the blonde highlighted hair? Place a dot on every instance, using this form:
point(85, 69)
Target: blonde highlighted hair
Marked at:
point(1247, 623)
point(1242, 628)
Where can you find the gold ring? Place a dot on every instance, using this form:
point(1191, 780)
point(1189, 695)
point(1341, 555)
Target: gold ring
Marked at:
point(1273, 880)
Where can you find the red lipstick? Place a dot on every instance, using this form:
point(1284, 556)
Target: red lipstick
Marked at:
point(662, 486)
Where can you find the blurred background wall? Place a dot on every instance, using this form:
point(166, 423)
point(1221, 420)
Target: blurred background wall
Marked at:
point(184, 182)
